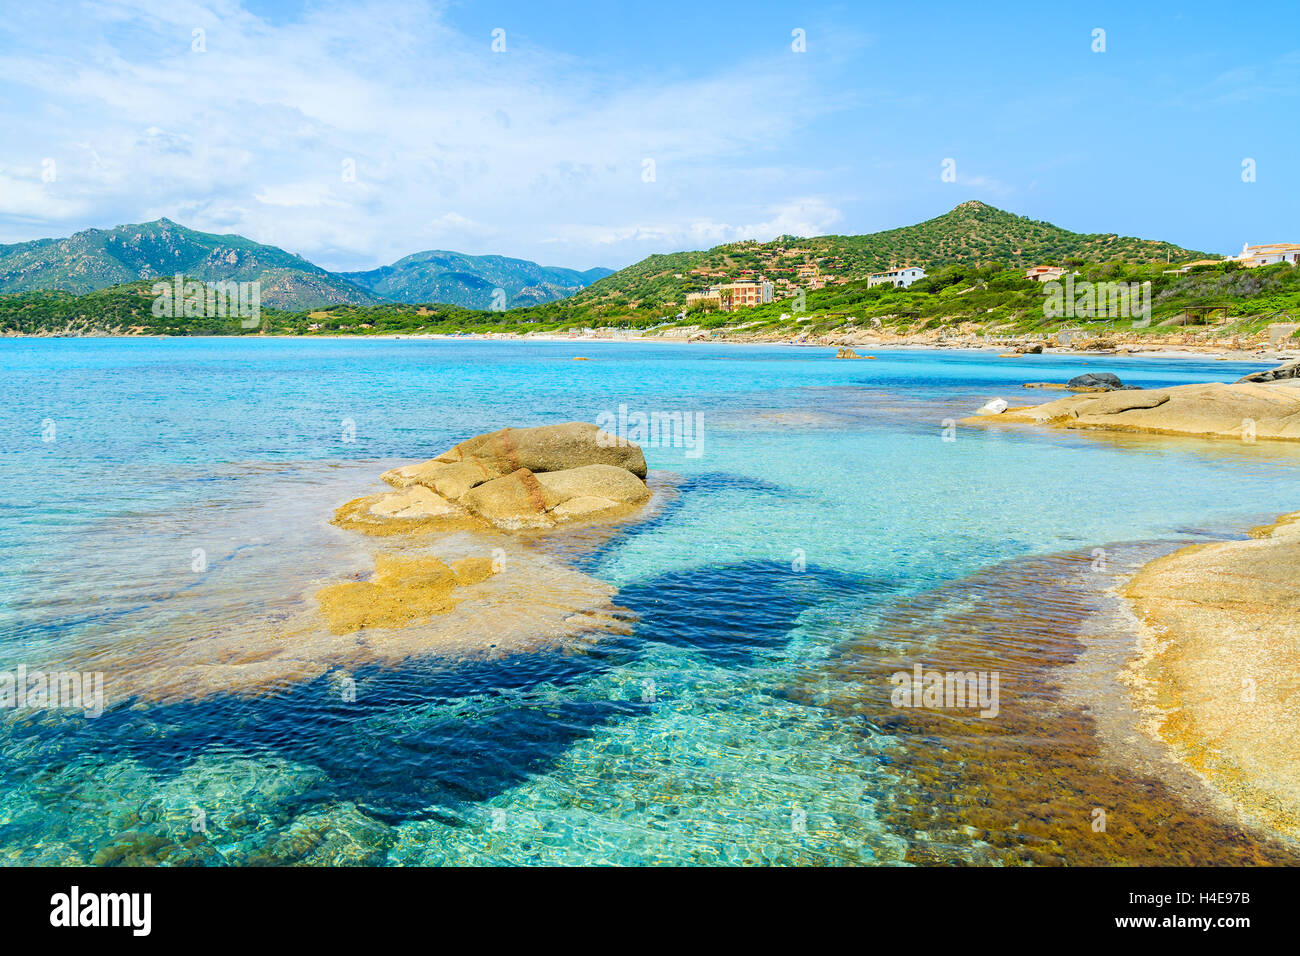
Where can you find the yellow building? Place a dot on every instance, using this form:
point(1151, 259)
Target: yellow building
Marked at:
point(741, 294)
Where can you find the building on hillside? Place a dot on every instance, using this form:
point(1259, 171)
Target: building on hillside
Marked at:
point(1044, 273)
point(741, 294)
point(709, 297)
point(1252, 257)
point(744, 293)
point(1188, 266)
point(899, 278)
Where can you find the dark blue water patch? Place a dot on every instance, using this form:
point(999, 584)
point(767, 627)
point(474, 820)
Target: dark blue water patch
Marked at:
point(716, 482)
point(432, 734)
point(428, 733)
point(735, 612)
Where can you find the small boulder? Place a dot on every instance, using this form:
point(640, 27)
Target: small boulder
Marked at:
point(996, 407)
point(847, 353)
point(449, 479)
point(1106, 380)
point(527, 500)
point(515, 500)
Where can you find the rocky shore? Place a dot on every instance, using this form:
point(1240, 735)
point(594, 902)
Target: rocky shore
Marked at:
point(966, 336)
point(1217, 676)
point(1244, 411)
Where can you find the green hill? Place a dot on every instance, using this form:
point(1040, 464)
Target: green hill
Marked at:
point(972, 234)
point(470, 281)
point(98, 258)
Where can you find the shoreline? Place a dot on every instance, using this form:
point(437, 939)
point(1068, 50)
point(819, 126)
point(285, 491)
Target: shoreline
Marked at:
point(905, 344)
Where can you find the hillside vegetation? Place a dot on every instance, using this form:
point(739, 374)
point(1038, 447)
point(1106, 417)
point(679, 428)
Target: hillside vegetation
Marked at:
point(972, 234)
point(1219, 300)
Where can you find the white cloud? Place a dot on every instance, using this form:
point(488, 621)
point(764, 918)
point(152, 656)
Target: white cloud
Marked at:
point(806, 217)
point(451, 144)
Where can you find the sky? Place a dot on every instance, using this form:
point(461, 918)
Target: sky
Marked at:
point(594, 133)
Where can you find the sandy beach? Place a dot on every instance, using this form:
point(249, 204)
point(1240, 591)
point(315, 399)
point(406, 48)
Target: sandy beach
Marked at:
point(1171, 346)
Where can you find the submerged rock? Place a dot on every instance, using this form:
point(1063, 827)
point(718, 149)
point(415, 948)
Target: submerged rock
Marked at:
point(403, 590)
point(470, 595)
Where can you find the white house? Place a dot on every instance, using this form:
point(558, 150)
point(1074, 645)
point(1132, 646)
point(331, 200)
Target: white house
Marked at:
point(1254, 256)
point(897, 277)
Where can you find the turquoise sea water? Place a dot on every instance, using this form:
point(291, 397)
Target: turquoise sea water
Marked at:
point(824, 493)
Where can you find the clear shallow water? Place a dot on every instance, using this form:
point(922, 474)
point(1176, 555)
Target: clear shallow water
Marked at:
point(719, 731)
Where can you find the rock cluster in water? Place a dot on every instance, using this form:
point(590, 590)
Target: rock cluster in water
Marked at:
point(1099, 381)
point(467, 572)
point(1089, 382)
point(510, 479)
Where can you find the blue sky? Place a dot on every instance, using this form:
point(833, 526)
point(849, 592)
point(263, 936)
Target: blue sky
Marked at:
point(358, 132)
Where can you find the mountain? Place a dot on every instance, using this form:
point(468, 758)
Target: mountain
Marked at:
point(973, 233)
point(98, 258)
point(470, 281)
